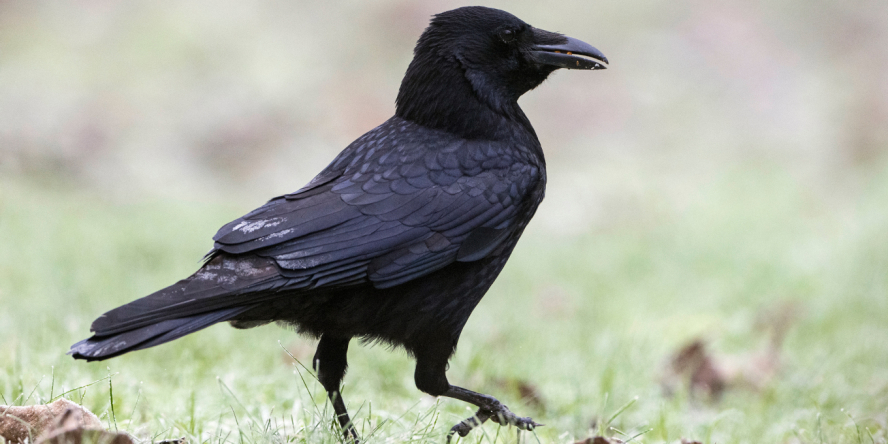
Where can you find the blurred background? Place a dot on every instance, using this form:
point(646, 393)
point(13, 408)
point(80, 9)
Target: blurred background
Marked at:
point(732, 159)
point(242, 100)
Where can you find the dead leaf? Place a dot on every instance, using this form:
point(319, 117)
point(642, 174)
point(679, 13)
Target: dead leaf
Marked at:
point(692, 365)
point(530, 394)
point(599, 440)
point(80, 436)
point(20, 423)
point(704, 373)
point(70, 428)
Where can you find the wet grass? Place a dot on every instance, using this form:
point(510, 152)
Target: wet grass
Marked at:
point(576, 328)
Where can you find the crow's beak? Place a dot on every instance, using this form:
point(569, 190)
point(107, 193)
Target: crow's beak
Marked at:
point(575, 54)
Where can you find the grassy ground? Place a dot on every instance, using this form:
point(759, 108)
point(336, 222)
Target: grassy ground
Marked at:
point(575, 328)
point(661, 225)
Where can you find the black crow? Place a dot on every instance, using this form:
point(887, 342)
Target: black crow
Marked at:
point(401, 235)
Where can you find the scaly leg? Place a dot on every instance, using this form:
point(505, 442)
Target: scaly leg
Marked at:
point(488, 408)
point(431, 378)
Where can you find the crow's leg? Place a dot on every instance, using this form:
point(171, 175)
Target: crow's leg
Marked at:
point(488, 408)
point(330, 363)
point(431, 378)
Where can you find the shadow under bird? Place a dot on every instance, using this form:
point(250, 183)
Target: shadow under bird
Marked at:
point(398, 239)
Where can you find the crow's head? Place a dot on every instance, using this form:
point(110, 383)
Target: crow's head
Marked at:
point(487, 54)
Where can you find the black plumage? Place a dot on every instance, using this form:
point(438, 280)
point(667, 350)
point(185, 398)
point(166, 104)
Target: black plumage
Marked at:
point(402, 234)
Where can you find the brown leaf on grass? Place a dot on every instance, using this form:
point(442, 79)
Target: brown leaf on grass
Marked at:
point(18, 423)
point(70, 428)
point(530, 394)
point(693, 365)
point(90, 436)
point(708, 374)
point(599, 440)
point(690, 441)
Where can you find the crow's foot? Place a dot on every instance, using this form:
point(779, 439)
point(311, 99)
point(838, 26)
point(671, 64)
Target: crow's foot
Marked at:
point(506, 417)
point(499, 414)
point(465, 426)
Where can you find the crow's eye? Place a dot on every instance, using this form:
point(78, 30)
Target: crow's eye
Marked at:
point(507, 35)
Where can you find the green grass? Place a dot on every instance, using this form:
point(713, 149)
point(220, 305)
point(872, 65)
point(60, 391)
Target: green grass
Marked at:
point(587, 320)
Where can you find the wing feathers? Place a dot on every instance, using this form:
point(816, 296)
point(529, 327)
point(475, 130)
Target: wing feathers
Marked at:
point(385, 213)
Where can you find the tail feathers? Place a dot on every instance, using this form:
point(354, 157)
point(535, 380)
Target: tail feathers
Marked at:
point(98, 347)
point(222, 283)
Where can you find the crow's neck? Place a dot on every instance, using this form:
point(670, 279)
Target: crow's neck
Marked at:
point(440, 96)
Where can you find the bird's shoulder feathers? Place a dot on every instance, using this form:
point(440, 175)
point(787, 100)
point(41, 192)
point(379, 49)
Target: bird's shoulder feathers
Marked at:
point(397, 204)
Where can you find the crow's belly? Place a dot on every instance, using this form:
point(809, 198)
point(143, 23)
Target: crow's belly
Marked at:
point(433, 308)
